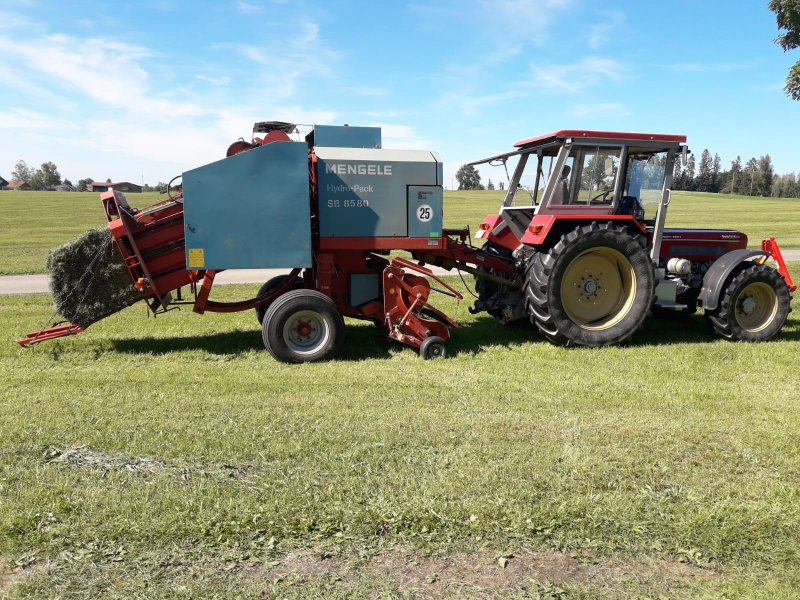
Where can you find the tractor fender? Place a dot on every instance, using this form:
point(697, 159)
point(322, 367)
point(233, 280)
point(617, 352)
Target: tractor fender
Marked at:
point(720, 271)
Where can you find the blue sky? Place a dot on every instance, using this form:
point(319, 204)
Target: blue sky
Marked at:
point(126, 90)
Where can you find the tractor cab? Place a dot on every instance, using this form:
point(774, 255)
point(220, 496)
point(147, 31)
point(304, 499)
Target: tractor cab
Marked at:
point(587, 175)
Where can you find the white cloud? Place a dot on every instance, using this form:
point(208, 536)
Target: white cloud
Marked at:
point(527, 19)
point(402, 136)
point(578, 76)
point(607, 28)
point(248, 8)
point(107, 71)
point(20, 118)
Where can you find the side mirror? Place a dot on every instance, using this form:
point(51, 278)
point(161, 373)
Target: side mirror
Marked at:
point(609, 166)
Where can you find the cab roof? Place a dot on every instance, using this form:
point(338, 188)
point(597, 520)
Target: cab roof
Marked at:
point(603, 135)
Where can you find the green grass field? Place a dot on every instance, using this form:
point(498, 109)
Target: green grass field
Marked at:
point(34, 222)
point(173, 458)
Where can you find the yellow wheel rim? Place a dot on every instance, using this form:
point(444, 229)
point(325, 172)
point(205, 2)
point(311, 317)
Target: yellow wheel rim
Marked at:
point(598, 288)
point(756, 306)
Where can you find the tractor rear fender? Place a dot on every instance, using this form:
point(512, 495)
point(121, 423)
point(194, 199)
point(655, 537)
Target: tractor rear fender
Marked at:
point(719, 273)
point(545, 230)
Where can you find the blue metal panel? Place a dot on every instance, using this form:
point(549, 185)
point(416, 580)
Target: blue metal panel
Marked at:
point(364, 287)
point(249, 211)
point(364, 193)
point(347, 137)
point(425, 211)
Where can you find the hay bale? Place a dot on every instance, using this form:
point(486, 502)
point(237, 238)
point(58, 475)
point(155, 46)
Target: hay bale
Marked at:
point(89, 279)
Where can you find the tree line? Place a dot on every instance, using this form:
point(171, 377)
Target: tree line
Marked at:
point(47, 178)
point(756, 177)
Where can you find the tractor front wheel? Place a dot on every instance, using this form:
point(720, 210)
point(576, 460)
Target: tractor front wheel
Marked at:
point(593, 288)
point(753, 305)
point(302, 326)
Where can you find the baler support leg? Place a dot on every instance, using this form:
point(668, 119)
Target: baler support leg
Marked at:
point(409, 317)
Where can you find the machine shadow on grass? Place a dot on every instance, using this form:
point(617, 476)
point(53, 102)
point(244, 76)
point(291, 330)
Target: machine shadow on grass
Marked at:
point(365, 341)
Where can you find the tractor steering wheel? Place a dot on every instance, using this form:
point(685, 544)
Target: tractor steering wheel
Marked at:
point(602, 196)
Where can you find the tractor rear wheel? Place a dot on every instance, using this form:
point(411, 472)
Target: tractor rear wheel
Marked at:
point(753, 305)
point(302, 326)
point(593, 288)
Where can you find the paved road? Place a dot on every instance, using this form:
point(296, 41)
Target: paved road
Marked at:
point(37, 284)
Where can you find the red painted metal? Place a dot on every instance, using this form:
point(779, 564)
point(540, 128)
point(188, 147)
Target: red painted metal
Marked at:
point(405, 297)
point(615, 135)
point(490, 230)
point(699, 244)
point(771, 246)
point(542, 226)
point(49, 333)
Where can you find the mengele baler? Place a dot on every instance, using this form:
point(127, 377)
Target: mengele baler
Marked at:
point(583, 255)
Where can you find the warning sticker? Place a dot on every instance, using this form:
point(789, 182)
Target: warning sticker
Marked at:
point(197, 258)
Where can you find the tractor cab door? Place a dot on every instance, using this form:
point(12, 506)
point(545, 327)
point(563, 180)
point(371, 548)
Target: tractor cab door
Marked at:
point(587, 182)
point(645, 172)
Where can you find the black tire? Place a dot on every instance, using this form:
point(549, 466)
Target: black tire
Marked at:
point(573, 306)
point(505, 304)
point(302, 326)
point(753, 305)
point(265, 289)
point(433, 347)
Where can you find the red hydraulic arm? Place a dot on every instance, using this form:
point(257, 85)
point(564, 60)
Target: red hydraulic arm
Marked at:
point(771, 246)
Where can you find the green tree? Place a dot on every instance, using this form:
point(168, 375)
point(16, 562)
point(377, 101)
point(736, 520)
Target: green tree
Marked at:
point(736, 176)
point(490, 185)
point(469, 178)
point(749, 185)
point(46, 176)
point(787, 15)
point(84, 184)
point(704, 176)
point(501, 185)
point(767, 175)
point(22, 172)
point(689, 173)
point(716, 174)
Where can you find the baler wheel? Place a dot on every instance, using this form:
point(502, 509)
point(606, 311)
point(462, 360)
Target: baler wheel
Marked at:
point(753, 305)
point(433, 347)
point(593, 288)
point(302, 326)
point(265, 289)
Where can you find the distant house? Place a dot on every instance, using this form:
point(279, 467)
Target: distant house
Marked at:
point(3, 183)
point(17, 186)
point(120, 186)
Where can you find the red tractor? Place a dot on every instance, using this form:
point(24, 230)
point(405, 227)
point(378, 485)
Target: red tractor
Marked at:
point(597, 258)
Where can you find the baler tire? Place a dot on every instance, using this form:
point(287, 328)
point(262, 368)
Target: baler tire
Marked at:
point(433, 347)
point(303, 326)
point(271, 284)
point(622, 311)
point(762, 318)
